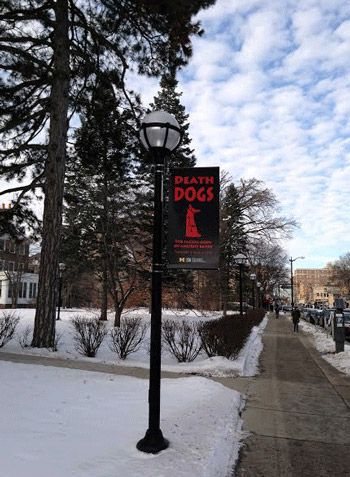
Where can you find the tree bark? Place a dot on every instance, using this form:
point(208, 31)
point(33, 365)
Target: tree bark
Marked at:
point(104, 299)
point(44, 326)
point(117, 315)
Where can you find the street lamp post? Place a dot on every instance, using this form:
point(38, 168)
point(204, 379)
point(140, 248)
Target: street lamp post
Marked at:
point(240, 259)
point(291, 278)
point(160, 134)
point(252, 276)
point(259, 285)
point(61, 267)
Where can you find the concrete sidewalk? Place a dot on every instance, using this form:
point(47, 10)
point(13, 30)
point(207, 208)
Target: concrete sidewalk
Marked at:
point(297, 412)
point(238, 383)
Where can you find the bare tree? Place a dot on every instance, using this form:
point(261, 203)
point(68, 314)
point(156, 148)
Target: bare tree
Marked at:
point(249, 217)
point(270, 263)
point(341, 271)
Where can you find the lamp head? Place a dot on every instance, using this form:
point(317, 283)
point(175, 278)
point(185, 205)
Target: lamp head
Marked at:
point(240, 259)
point(160, 130)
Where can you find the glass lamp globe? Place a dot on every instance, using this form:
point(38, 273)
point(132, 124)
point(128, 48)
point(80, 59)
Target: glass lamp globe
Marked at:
point(160, 130)
point(240, 259)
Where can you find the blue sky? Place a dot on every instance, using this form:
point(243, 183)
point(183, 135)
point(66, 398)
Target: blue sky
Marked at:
point(268, 93)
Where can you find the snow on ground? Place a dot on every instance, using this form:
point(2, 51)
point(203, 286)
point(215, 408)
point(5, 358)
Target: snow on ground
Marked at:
point(60, 422)
point(326, 346)
point(244, 365)
point(63, 422)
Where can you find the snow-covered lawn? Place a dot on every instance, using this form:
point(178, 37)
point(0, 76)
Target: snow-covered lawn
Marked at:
point(61, 422)
point(326, 346)
point(244, 365)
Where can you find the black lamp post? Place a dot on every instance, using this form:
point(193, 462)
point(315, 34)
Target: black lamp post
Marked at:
point(252, 276)
point(240, 259)
point(61, 267)
point(291, 278)
point(259, 285)
point(160, 134)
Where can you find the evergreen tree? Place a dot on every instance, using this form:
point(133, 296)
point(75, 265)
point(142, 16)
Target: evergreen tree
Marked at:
point(232, 239)
point(101, 197)
point(178, 282)
point(169, 100)
point(49, 51)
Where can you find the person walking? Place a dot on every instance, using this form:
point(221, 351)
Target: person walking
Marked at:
point(277, 310)
point(296, 318)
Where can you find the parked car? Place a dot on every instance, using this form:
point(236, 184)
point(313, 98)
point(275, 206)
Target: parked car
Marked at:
point(328, 313)
point(313, 316)
point(287, 308)
point(347, 324)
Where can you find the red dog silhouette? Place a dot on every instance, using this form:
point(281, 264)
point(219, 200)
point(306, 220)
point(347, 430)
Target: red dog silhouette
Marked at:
point(191, 227)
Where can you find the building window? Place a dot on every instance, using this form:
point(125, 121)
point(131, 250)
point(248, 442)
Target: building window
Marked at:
point(2, 244)
point(22, 293)
point(11, 247)
point(0, 288)
point(11, 266)
point(32, 290)
point(20, 267)
point(2, 265)
point(22, 249)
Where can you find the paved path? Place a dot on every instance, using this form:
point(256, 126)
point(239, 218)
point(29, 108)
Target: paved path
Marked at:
point(297, 412)
point(238, 383)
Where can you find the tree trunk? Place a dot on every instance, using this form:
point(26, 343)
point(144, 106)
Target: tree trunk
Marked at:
point(104, 300)
point(117, 315)
point(44, 326)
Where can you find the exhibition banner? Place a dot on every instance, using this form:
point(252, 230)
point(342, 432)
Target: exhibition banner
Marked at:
point(193, 233)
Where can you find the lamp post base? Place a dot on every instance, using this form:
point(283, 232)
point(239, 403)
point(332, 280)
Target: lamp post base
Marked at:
point(153, 442)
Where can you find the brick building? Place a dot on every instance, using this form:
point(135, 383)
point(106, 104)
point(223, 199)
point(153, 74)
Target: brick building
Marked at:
point(314, 286)
point(17, 285)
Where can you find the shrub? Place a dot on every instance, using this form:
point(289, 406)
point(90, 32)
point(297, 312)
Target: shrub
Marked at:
point(58, 337)
point(227, 336)
point(88, 335)
point(8, 324)
point(127, 338)
point(181, 339)
point(24, 338)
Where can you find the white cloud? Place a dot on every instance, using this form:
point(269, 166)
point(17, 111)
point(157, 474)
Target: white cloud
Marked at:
point(268, 93)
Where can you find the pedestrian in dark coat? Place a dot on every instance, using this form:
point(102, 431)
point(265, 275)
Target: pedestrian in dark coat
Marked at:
point(296, 318)
point(277, 310)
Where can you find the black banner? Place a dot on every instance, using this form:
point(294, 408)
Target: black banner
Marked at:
point(193, 235)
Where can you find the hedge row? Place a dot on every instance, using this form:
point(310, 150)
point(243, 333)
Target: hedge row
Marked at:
point(183, 339)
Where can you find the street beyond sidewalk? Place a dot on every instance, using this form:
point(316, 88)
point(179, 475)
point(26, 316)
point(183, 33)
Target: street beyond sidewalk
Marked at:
point(297, 411)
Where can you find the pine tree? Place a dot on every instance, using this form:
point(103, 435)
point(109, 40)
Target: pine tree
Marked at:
point(178, 282)
point(232, 239)
point(100, 196)
point(169, 100)
point(49, 51)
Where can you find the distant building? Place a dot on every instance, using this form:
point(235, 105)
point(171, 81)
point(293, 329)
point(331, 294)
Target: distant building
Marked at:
point(17, 285)
point(14, 254)
point(314, 287)
point(306, 279)
point(18, 288)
